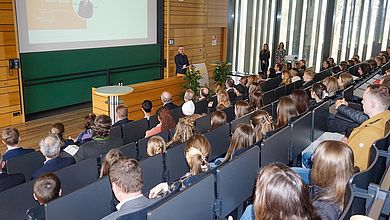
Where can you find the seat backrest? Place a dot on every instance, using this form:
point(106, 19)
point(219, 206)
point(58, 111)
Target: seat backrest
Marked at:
point(130, 150)
point(320, 120)
point(267, 108)
point(143, 145)
point(274, 112)
point(135, 130)
point(176, 162)
point(201, 107)
point(348, 94)
point(353, 204)
point(219, 139)
point(379, 168)
point(78, 175)
point(279, 92)
point(202, 124)
point(362, 179)
point(26, 164)
point(230, 115)
point(214, 101)
point(116, 132)
point(152, 172)
point(290, 87)
point(244, 119)
point(236, 180)
point(177, 113)
point(153, 121)
point(300, 134)
point(16, 201)
point(322, 75)
point(276, 147)
point(298, 84)
point(268, 97)
point(195, 202)
point(270, 84)
point(90, 202)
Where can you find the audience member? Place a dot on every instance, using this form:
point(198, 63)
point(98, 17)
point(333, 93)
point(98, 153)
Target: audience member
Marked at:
point(86, 135)
point(146, 108)
point(286, 78)
point(301, 100)
point(50, 148)
point(101, 142)
point(156, 145)
point(188, 108)
point(11, 138)
point(166, 122)
point(302, 65)
point(331, 61)
point(308, 76)
point(219, 86)
point(185, 129)
point(343, 66)
point(218, 118)
point(188, 95)
point(242, 138)
point(294, 75)
point(345, 80)
point(376, 100)
point(372, 63)
point(331, 84)
point(9, 180)
point(350, 63)
point(255, 101)
point(326, 65)
point(111, 157)
point(254, 87)
point(271, 200)
point(203, 93)
point(47, 187)
point(223, 100)
point(285, 111)
point(241, 108)
point(127, 183)
point(271, 73)
point(229, 84)
point(262, 123)
point(166, 99)
point(364, 69)
point(59, 130)
point(319, 92)
point(379, 60)
point(121, 116)
point(251, 79)
point(357, 57)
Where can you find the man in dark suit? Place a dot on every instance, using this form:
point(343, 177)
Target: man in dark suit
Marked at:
point(166, 99)
point(127, 183)
point(181, 61)
point(50, 148)
point(9, 180)
point(121, 115)
point(11, 138)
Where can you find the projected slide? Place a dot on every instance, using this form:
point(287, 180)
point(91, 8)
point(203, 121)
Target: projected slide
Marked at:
point(63, 24)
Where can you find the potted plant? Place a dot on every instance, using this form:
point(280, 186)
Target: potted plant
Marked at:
point(192, 78)
point(221, 72)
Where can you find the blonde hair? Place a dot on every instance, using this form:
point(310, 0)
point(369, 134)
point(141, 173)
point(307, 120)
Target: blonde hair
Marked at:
point(243, 137)
point(184, 130)
point(111, 157)
point(197, 151)
point(223, 99)
point(262, 123)
point(345, 79)
point(286, 77)
point(309, 73)
point(156, 145)
point(332, 167)
point(251, 79)
point(219, 87)
point(241, 108)
point(331, 84)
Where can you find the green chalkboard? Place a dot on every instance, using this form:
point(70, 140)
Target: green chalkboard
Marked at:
point(60, 78)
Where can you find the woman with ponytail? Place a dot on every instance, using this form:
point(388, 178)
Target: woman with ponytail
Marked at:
point(262, 123)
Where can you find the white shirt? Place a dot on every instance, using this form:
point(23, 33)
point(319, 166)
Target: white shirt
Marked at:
point(118, 207)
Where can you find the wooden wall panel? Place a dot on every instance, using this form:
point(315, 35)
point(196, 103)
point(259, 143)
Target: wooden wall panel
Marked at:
point(10, 96)
point(193, 23)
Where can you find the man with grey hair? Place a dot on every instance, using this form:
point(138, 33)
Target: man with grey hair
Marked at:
point(50, 148)
point(166, 99)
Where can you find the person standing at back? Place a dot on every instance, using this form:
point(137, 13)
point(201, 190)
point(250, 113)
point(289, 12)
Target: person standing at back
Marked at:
point(181, 61)
point(280, 54)
point(264, 58)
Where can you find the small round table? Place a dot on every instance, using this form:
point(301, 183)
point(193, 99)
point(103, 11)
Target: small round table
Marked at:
point(113, 93)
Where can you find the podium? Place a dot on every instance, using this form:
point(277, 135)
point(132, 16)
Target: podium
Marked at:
point(113, 93)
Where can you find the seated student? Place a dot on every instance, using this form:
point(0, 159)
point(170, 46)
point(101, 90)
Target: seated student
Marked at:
point(185, 129)
point(197, 151)
point(325, 65)
point(111, 157)
point(166, 99)
point(242, 138)
point(331, 84)
point(372, 63)
point(188, 95)
point(331, 61)
point(127, 183)
point(278, 69)
point(254, 87)
point(376, 101)
point(380, 60)
point(166, 122)
point(50, 148)
point(318, 93)
point(241, 108)
point(286, 78)
point(203, 93)
point(101, 142)
point(218, 118)
point(188, 108)
point(363, 69)
point(59, 130)
point(9, 180)
point(146, 108)
point(285, 111)
point(271, 200)
point(156, 145)
point(121, 116)
point(343, 66)
point(302, 65)
point(229, 84)
point(301, 100)
point(223, 100)
point(308, 76)
point(262, 123)
point(11, 138)
point(294, 75)
point(271, 73)
point(86, 135)
point(255, 101)
point(345, 80)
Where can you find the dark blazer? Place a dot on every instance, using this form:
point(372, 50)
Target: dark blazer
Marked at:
point(130, 206)
point(121, 122)
point(53, 165)
point(171, 105)
point(96, 147)
point(180, 61)
point(10, 180)
point(16, 152)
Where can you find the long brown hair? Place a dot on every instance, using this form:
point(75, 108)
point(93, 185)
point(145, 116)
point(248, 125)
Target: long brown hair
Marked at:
point(286, 110)
point(185, 129)
point(166, 119)
point(111, 157)
point(331, 84)
point(197, 151)
point(241, 108)
point(243, 136)
point(301, 100)
point(218, 118)
point(281, 194)
point(255, 100)
point(262, 122)
point(222, 99)
point(332, 168)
